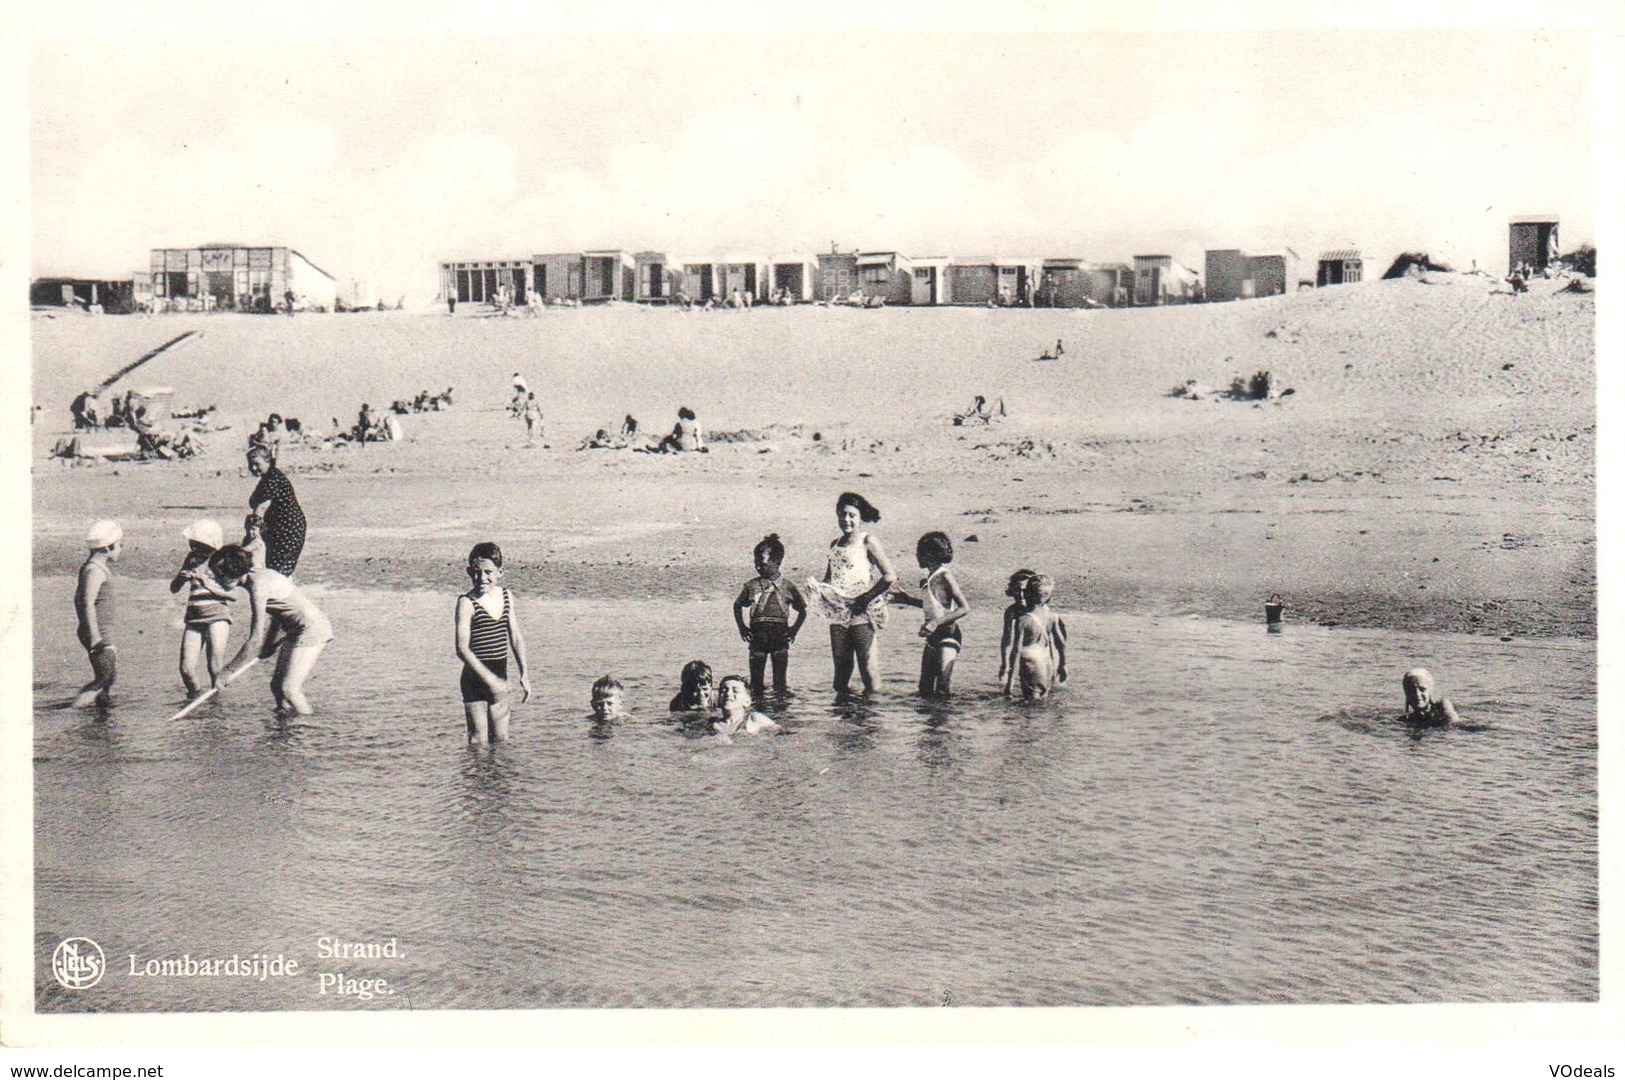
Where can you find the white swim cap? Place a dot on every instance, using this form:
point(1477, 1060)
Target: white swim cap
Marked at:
point(206, 532)
point(104, 534)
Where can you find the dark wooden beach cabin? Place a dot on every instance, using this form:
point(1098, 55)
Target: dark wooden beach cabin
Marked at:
point(973, 280)
point(238, 277)
point(1270, 275)
point(837, 276)
point(482, 281)
point(1067, 282)
point(608, 275)
point(1340, 267)
point(887, 275)
point(1532, 239)
point(796, 273)
point(1226, 270)
point(113, 297)
point(1161, 279)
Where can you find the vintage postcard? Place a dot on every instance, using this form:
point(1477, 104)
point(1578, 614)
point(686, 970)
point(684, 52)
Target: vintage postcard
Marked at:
point(1017, 526)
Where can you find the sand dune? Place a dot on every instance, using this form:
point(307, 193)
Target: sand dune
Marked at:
point(1433, 467)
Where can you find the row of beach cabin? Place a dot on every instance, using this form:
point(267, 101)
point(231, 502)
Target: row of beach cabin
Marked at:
point(879, 276)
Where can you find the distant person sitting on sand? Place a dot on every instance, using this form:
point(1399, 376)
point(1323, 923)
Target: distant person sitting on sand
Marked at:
point(739, 715)
point(1036, 657)
point(697, 688)
point(685, 436)
point(609, 701)
point(84, 412)
point(1423, 705)
point(629, 427)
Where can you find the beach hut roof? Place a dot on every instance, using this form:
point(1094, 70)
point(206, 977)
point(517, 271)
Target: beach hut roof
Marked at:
point(1339, 254)
point(1534, 219)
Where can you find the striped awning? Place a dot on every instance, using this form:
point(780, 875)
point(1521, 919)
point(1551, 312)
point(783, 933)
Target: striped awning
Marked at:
point(1342, 255)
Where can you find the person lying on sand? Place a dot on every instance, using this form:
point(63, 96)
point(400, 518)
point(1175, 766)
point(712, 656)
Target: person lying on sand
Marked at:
point(1423, 705)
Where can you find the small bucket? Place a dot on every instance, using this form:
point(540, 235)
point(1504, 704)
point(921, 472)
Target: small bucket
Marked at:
point(1273, 608)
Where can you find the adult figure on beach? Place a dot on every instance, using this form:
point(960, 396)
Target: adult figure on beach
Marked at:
point(282, 621)
point(276, 516)
point(852, 593)
point(685, 436)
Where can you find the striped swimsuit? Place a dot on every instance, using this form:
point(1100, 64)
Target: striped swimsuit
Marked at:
point(489, 640)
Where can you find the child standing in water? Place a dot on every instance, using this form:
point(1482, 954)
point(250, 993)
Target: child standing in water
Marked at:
point(769, 599)
point(852, 594)
point(738, 714)
point(208, 620)
point(943, 606)
point(487, 630)
point(1037, 652)
point(1016, 591)
point(93, 604)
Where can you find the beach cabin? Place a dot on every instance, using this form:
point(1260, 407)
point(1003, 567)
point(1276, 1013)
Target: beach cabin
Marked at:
point(1161, 279)
point(742, 274)
point(1226, 271)
point(483, 281)
point(887, 275)
point(1532, 239)
point(112, 297)
point(1341, 267)
point(235, 277)
point(1068, 282)
point(557, 275)
point(654, 278)
point(1018, 281)
point(1113, 283)
point(930, 286)
point(1269, 275)
point(795, 274)
point(837, 276)
point(973, 280)
point(608, 275)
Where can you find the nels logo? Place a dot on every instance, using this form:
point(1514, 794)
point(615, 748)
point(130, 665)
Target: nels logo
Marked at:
point(78, 963)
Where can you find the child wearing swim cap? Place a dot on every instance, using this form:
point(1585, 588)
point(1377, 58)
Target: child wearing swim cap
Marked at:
point(93, 605)
point(208, 620)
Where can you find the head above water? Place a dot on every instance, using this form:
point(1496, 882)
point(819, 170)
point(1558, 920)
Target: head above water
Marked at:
point(696, 676)
point(934, 549)
point(866, 510)
point(607, 693)
point(1419, 689)
point(733, 690)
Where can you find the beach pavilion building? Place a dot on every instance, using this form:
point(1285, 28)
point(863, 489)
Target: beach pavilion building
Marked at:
point(481, 281)
point(112, 296)
point(238, 277)
point(1342, 266)
point(1161, 279)
point(1532, 239)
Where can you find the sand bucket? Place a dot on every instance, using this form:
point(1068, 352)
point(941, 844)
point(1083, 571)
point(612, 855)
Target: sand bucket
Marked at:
point(1272, 609)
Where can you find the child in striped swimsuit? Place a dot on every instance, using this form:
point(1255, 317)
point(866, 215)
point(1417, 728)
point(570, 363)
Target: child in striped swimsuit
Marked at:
point(208, 620)
point(487, 629)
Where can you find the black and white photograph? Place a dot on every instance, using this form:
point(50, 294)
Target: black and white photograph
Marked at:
point(776, 516)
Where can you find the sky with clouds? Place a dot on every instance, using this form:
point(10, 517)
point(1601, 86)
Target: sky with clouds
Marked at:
point(380, 156)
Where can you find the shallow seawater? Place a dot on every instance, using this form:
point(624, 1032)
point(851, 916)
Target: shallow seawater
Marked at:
point(1207, 814)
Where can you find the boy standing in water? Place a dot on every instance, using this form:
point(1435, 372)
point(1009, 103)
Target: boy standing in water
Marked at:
point(769, 599)
point(1037, 653)
point(1016, 591)
point(93, 604)
point(1423, 706)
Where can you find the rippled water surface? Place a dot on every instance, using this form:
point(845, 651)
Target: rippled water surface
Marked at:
point(1207, 814)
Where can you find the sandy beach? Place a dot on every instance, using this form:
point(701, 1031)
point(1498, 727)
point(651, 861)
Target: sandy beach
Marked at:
point(1431, 469)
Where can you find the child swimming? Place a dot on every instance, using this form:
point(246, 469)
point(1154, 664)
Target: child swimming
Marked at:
point(282, 620)
point(1423, 706)
point(698, 689)
point(769, 599)
point(609, 701)
point(487, 630)
point(93, 606)
point(738, 714)
point(943, 605)
point(1037, 652)
point(208, 620)
point(1016, 591)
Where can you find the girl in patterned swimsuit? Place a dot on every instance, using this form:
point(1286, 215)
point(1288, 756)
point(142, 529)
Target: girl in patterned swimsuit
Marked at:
point(487, 629)
point(851, 595)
